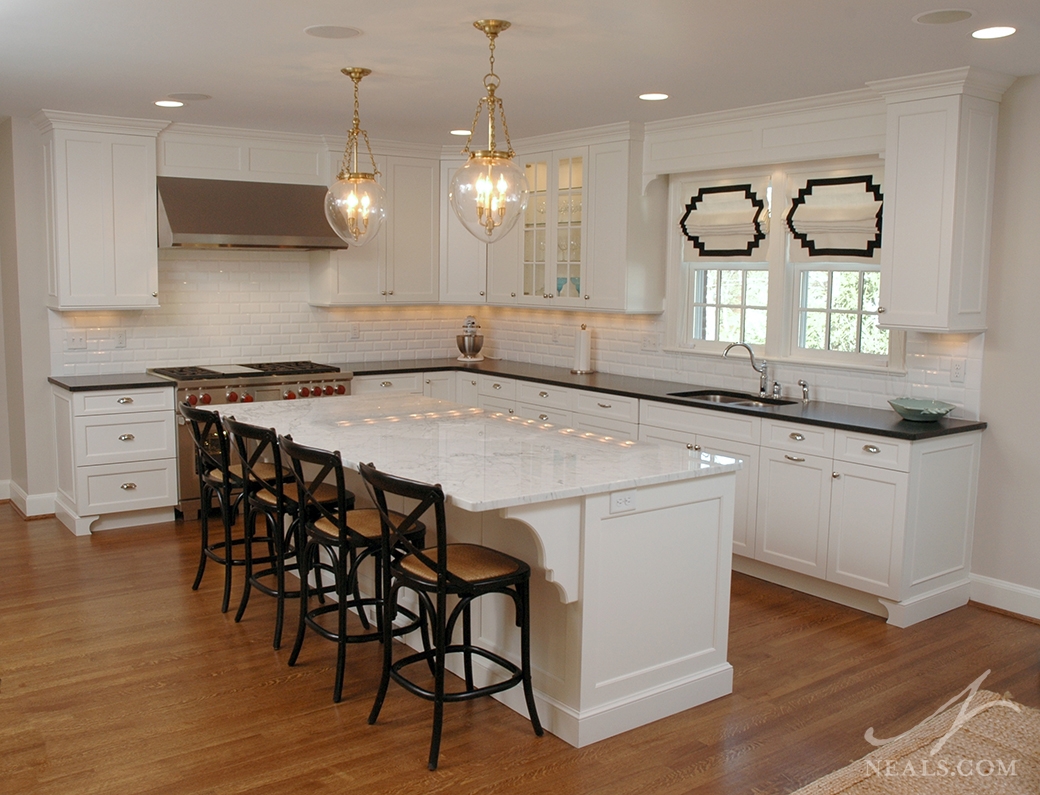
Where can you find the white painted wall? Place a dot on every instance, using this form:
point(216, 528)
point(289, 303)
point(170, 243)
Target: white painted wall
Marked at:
point(1007, 526)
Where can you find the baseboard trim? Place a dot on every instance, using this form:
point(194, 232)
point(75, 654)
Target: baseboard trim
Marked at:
point(32, 506)
point(1008, 596)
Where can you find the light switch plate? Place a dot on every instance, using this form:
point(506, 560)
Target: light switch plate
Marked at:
point(76, 340)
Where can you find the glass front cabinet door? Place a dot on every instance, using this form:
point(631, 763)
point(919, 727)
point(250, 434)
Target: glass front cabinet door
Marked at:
point(553, 235)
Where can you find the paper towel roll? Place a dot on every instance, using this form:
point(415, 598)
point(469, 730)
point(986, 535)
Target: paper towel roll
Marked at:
point(583, 350)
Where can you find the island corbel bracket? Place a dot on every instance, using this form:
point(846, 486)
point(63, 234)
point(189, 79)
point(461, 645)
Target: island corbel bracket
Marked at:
point(557, 526)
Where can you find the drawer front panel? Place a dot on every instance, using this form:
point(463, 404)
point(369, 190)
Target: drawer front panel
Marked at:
point(110, 488)
point(138, 437)
point(809, 439)
point(720, 424)
point(614, 407)
point(559, 417)
point(857, 448)
point(390, 383)
point(498, 406)
point(499, 388)
point(616, 429)
point(115, 401)
point(543, 395)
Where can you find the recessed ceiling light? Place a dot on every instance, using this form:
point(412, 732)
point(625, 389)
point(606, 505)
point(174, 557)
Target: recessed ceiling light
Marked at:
point(653, 97)
point(460, 132)
point(169, 103)
point(189, 97)
point(944, 16)
point(992, 33)
point(332, 32)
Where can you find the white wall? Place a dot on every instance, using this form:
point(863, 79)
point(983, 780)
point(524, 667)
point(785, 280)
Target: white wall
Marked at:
point(1007, 526)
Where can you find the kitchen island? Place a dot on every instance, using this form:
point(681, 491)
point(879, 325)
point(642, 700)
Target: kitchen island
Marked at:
point(629, 545)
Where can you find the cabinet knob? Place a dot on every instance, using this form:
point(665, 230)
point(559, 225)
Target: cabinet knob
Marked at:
point(881, 310)
point(511, 411)
point(155, 294)
point(126, 437)
point(382, 292)
point(836, 475)
point(473, 383)
point(586, 298)
point(691, 446)
point(796, 458)
point(481, 293)
point(512, 295)
point(124, 401)
point(391, 292)
point(543, 417)
point(427, 380)
point(872, 448)
point(797, 437)
point(128, 486)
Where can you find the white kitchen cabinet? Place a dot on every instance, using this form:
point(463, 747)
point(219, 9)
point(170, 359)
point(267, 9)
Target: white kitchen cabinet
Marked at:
point(466, 391)
point(99, 182)
point(401, 264)
point(117, 457)
point(703, 433)
point(474, 272)
point(496, 394)
point(940, 155)
point(604, 414)
point(440, 385)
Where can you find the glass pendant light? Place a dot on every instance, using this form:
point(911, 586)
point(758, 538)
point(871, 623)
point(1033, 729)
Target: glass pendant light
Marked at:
point(489, 193)
point(356, 204)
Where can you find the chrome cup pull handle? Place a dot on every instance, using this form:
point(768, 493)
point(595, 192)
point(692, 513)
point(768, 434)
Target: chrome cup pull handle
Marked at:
point(124, 401)
point(872, 448)
point(126, 437)
point(128, 486)
point(797, 437)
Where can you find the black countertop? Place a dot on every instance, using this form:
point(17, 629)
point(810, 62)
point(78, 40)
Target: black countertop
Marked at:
point(882, 422)
point(84, 383)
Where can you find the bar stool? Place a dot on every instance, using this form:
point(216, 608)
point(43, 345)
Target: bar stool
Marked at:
point(347, 538)
point(221, 480)
point(275, 500)
point(465, 571)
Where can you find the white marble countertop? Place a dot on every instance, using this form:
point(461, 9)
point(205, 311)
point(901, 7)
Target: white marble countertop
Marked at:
point(483, 460)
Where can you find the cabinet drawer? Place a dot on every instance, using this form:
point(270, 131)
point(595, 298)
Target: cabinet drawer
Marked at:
point(721, 424)
point(109, 488)
point(388, 383)
point(543, 395)
point(615, 429)
point(601, 404)
point(875, 451)
point(560, 417)
point(136, 437)
point(802, 439)
point(497, 406)
point(499, 388)
point(121, 401)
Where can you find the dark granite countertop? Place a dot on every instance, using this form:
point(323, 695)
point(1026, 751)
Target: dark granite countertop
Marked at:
point(84, 383)
point(882, 422)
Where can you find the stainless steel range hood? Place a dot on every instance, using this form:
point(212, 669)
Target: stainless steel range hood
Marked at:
point(212, 213)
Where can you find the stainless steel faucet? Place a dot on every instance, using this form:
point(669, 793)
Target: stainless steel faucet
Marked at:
point(759, 367)
point(805, 390)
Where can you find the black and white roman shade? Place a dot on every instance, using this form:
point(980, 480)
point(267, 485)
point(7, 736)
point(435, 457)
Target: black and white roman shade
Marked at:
point(836, 217)
point(725, 220)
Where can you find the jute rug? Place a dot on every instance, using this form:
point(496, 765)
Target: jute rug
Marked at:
point(982, 744)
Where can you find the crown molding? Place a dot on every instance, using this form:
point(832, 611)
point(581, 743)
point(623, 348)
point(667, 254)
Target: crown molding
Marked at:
point(48, 120)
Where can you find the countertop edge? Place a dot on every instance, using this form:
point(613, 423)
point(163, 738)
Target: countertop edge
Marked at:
point(89, 383)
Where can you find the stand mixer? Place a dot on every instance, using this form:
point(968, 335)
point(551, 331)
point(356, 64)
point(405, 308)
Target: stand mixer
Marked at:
point(469, 341)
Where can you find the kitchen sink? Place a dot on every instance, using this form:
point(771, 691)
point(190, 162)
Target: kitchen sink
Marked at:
point(731, 398)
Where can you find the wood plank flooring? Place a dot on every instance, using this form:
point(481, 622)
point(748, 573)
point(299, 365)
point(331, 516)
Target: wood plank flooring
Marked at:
point(117, 678)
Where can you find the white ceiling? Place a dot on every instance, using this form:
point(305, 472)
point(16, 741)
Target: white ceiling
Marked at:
point(564, 64)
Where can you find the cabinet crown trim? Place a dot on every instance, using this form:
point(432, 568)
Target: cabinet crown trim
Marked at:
point(48, 120)
point(968, 80)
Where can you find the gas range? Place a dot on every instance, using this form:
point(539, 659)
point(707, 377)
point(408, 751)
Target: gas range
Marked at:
point(219, 384)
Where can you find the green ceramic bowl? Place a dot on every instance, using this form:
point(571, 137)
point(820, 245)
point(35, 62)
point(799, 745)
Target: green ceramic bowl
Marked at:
point(920, 410)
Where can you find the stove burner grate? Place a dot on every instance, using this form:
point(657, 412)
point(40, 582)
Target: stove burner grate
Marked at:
point(293, 368)
point(184, 373)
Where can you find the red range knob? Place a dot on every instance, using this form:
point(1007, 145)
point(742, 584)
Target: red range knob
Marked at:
point(206, 399)
point(340, 389)
point(232, 397)
point(305, 391)
point(193, 400)
point(316, 392)
point(328, 390)
point(247, 398)
point(289, 395)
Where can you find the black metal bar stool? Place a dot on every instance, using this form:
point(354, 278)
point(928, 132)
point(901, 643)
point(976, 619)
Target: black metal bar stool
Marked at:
point(464, 571)
point(275, 499)
point(221, 480)
point(347, 538)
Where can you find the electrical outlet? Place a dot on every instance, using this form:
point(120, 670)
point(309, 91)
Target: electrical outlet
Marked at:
point(76, 340)
point(555, 336)
point(623, 501)
point(957, 367)
point(354, 331)
point(650, 343)
point(120, 338)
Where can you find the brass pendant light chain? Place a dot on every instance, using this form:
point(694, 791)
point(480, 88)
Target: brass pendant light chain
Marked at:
point(493, 103)
point(351, 153)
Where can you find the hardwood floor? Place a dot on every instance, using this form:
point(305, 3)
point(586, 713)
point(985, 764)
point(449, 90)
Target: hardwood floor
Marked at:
point(116, 678)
